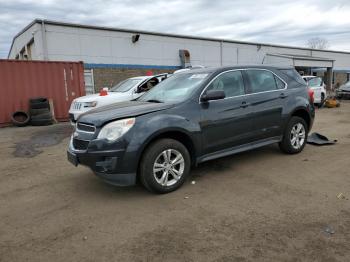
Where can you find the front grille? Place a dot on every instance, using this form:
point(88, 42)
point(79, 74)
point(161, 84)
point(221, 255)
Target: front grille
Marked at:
point(77, 105)
point(86, 128)
point(80, 144)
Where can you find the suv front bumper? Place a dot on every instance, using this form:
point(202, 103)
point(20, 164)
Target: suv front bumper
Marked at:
point(109, 165)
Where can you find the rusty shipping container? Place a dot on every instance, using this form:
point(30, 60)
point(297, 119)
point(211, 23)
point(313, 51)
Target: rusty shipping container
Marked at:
point(21, 80)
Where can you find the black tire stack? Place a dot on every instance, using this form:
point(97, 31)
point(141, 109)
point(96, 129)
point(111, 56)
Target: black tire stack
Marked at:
point(20, 118)
point(39, 111)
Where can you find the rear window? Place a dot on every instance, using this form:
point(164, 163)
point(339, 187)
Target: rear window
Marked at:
point(315, 82)
point(292, 73)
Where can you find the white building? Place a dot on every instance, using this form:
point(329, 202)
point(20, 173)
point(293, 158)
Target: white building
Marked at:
point(111, 54)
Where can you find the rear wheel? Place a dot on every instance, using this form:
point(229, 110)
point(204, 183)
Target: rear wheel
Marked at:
point(164, 166)
point(295, 135)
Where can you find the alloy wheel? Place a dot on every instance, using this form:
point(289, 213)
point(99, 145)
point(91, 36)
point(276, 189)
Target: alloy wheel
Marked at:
point(297, 136)
point(168, 167)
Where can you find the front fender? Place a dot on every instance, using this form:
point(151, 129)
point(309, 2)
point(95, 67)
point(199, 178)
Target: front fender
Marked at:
point(150, 127)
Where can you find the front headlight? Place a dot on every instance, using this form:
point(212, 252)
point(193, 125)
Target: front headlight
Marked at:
point(116, 129)
point(90, 104)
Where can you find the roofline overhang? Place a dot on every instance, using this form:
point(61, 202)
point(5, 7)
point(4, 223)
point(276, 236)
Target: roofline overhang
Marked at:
point(58, 23)
point(306, 58)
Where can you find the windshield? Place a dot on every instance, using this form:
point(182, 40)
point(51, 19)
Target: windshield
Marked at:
point(125, 85)
point(177, 88)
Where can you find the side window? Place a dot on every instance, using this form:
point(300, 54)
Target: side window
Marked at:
point(280, 84)
point(261, 81)
point(230, 82)
point(148, 85)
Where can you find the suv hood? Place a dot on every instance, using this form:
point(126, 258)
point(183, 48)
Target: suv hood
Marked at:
point(96, 97)
point(115, 111)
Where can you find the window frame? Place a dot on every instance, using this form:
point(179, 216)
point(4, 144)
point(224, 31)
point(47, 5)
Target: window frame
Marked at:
point(250, 92)
point(229, 71)
point(245, 80)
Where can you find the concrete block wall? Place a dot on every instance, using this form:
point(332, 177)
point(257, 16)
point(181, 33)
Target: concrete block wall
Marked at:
point(339, 78)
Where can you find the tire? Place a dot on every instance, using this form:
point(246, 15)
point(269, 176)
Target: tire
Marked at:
point(46, 116)
point(156, 153)
point(322, 101)
point(37, 100)
point(41, 122)
point(20, 118)
point(38, 111)
point(39, 105)
point(286, 145)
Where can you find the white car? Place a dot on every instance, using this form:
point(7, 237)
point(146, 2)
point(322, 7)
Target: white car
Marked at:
point(317, 85)
point(126, 90)
point(344, 90)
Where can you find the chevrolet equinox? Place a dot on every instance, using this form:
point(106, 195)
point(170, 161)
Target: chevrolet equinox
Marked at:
point(192, 117)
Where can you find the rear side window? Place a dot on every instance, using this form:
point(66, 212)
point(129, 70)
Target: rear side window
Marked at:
point(292, 73)
point(314, 82)
point(230, 82)
point(261, 81)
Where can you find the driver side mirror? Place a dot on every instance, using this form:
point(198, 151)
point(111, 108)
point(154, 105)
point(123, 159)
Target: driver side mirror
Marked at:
point(213, 95)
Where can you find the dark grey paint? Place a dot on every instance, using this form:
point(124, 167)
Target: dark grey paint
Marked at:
point(214, 128)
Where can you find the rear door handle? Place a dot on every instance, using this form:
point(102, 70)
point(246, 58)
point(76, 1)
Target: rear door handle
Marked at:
point(283, 95)
point(244, 104)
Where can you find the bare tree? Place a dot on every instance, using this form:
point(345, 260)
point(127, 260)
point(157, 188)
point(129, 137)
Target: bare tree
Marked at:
point(318, 43)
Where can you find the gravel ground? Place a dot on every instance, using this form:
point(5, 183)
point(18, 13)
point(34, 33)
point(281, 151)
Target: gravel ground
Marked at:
point(260, 205)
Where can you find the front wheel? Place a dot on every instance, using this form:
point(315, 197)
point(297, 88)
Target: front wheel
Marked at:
point(164, 166)
point(295, 136)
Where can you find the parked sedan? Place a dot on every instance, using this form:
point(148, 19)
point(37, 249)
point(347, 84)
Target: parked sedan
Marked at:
point(344, 91)
point(192, 117)
point(317, 85)
point(126, 90)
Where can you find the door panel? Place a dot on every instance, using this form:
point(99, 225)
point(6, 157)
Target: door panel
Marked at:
point(266, 112)
point(267, 99)
point(225, 123)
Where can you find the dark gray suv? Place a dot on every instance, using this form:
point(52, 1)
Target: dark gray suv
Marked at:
point(192, 117)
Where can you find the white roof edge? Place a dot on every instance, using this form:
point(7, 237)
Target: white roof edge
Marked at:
point(165, 34)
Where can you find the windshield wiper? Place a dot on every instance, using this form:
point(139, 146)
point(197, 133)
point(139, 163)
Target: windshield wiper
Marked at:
point(154, 101)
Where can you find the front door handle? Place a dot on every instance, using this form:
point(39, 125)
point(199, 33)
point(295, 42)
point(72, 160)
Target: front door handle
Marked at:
point(283, 95)
point(244, 104)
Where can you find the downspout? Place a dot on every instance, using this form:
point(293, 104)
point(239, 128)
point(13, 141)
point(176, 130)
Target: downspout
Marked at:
point(43, 36)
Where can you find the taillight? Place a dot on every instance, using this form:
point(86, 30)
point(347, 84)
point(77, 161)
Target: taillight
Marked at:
point(311, 95)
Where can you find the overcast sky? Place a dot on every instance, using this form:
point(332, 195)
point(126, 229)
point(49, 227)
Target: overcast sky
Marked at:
point(270, 21)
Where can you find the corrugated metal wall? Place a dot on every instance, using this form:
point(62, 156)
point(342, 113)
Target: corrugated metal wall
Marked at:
point(21, 80)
